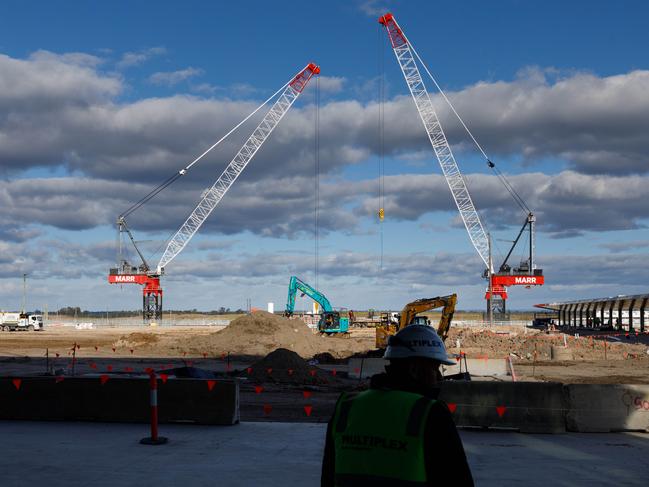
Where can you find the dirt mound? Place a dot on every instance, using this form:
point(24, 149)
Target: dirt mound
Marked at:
point(136, 339)
point(283, 366)
point(287, 367)
point(257, 334)
point(532, 345)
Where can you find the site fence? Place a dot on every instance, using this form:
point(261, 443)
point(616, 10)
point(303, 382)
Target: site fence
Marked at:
point(496, 324)
point(137, 322)
point(53, 322)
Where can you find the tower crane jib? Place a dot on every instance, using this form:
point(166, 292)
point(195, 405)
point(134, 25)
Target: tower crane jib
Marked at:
point(441, 147)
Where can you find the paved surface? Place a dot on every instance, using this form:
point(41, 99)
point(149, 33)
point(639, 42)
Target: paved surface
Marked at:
point(281, 454)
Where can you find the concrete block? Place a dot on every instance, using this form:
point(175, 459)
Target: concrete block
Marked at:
point(119, 399)
point(480, 367)
point(560, 353)
point(365, 367)
point(477, 367)
point(594, 408)
point(530, 407)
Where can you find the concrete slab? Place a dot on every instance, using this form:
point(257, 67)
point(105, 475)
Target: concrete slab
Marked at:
point(280, 454)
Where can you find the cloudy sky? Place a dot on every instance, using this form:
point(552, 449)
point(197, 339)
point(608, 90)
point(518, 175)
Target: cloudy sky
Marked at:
point(101, 101)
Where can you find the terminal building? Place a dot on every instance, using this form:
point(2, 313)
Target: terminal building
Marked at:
point(622, 312)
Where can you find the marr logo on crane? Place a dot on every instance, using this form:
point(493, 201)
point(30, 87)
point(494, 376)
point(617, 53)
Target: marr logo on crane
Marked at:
point(525, 280)
point(123, 278)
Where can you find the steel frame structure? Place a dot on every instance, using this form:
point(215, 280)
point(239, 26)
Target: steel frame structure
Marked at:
point(496, 294)
point(150, 279)
point(435, 132)
point(215, 193)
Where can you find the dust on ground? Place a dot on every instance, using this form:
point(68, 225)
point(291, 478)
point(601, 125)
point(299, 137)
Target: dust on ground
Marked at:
point(137, 339)
point(249, 338)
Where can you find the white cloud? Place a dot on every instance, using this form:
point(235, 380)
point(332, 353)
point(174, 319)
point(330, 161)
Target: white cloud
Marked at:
point(598, 125)
point(135, 58)
point(373, 8)
point(331, 84)
point(171, 78)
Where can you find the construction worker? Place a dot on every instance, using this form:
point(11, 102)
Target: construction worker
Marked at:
point(397, 433)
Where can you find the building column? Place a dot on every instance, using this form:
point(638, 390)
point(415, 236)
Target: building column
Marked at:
point(642, 308)
point(588, 306)
point(574, 315)
point(631, 315)
point(601, 313)
point(619, 314)
point(610, 313)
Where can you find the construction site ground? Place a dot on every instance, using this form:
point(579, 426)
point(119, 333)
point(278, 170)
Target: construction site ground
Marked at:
point(237, 350)
point(280, 454)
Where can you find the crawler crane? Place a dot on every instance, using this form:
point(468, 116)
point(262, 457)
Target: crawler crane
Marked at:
point(526, 274)
point(149, 277)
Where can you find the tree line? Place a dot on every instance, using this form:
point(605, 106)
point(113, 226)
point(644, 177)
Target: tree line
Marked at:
point(78, 312)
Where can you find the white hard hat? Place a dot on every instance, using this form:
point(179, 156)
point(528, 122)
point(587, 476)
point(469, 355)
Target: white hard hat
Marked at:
point(417, 341)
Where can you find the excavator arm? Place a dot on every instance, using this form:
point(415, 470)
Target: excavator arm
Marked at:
point(411, 310)
point(296, 284)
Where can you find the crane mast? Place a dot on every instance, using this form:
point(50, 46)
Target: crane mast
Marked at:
point(435, 132)
point(150, 279)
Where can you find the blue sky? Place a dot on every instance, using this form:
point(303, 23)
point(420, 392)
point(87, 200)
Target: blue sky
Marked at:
point(102, 100)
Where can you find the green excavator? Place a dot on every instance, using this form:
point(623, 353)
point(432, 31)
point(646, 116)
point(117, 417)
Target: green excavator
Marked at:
point(330, 320)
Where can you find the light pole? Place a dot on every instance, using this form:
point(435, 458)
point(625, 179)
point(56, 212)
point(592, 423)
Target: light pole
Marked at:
point(490, 312)
point(24, 292)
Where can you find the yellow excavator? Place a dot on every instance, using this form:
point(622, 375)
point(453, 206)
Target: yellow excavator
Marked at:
point(409, 316)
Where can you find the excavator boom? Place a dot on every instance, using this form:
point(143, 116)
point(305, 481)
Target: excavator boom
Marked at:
point(296, 284)
point(411, 310)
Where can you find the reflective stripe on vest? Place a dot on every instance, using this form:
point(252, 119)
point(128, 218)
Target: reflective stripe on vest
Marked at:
point(378, 438)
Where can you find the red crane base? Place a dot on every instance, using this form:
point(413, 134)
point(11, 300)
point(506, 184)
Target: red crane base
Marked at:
point(151, 293)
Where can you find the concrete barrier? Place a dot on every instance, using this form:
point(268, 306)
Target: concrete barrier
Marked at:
point(596, 408)
point(560, 353)
point(478, 367)
point(365, 367)
point(119, 399)
point(530, 407)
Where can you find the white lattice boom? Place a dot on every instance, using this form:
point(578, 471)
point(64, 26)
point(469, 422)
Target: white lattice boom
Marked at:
point(214, 194)
point(442, 149)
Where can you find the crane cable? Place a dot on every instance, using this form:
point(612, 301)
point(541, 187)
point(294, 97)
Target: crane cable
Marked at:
point(381, 129)
point(316, 206)
point(517, 198)
point(166, 183)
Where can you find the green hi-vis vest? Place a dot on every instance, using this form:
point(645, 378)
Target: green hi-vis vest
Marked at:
point(378, 437)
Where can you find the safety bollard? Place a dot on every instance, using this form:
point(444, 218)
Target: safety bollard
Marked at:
point(154, 439)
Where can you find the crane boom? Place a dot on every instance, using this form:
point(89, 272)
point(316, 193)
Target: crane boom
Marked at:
point(215, 193)
point(441, 147)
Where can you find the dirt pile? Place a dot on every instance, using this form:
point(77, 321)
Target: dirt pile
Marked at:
point(526, 346)
point(283, 366)
point(256, 334)
point(136, 340)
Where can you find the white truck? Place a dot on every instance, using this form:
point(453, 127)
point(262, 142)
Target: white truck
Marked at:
point(20, 321)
